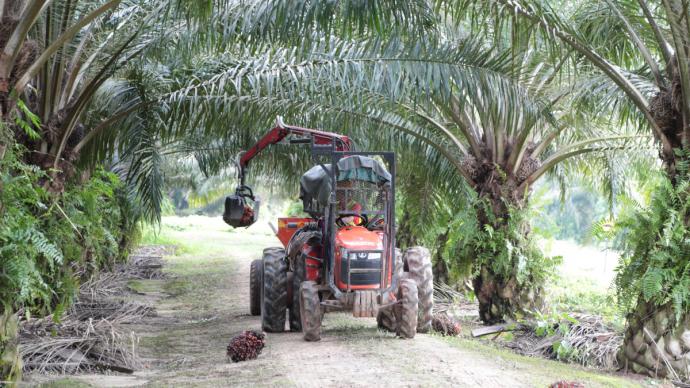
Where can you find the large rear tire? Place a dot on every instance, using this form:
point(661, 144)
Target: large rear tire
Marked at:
point(274, 297)
point(406, 310)
point(418, 262)
point(310, 311)
point(385, 319)
point(255, 284)
point(298, 276)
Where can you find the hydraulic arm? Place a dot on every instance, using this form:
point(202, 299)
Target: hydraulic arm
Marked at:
point(242, 209)
point(297, 135)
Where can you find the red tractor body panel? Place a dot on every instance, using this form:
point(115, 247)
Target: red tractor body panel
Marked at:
point(313, 261)
point(287, 226)
point(353, 239)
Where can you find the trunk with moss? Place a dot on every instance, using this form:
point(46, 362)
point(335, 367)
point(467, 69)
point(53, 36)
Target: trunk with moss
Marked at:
point(509, 269)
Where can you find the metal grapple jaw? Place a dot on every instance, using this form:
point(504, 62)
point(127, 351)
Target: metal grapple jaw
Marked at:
point(242, 208)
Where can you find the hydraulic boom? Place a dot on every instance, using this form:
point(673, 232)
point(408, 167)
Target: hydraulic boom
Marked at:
point(242, 208)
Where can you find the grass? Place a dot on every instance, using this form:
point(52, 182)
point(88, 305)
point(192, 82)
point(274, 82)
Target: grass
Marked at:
point(66, 382)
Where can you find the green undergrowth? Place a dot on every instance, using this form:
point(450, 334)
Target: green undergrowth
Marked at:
point(53, 238)
point(50, 241)
point(581, 295)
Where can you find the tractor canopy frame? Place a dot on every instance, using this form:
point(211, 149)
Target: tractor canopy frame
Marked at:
point(387, 212)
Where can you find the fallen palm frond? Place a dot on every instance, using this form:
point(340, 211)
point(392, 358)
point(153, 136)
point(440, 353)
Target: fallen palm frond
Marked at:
point(88, 336)
point(597, 343)
point(146, 262)
point(75, 345)
point(588, 340)
point(447, 298)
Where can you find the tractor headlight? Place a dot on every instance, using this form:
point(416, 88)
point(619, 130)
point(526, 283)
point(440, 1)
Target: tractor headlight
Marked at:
point(365, 255)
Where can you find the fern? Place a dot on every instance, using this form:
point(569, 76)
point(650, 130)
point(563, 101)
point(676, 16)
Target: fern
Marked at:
point(651, 283)
point(46, 248)
point(46, 239)
point(655, 266)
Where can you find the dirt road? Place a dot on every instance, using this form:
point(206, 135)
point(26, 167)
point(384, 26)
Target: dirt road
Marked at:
point(204, 303)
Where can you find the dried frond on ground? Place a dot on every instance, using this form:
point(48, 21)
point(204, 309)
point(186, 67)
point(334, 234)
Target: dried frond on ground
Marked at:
point(246, 346)
point(596, 342)
point(88, 336)
point(146, 262)
point(592, 341)
point(75, 345)
point(447, 298)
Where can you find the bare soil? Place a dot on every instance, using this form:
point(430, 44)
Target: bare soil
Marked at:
point(204, 302)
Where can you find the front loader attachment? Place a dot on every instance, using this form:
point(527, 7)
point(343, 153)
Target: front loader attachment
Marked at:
point(242, 208)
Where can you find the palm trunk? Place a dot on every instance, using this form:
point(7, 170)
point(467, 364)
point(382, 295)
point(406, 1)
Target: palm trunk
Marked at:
point(405, 237)
point(440, 266)
point(499, 290)
point(501, 296)
point(655, 344)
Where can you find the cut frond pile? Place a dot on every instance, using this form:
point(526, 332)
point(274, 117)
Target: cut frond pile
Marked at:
point(146, 262)
point(449, 301)
point(88, 336)
point(586, 339)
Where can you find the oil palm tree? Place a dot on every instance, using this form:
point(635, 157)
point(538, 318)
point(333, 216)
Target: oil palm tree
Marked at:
point(631, 61)
point(481, 117)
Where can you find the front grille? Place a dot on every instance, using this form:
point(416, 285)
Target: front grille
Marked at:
point(361, 279)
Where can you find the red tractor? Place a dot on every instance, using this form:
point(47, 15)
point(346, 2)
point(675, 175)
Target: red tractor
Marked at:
point(341, 257)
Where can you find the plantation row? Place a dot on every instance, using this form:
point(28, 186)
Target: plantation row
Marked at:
point(103, 101)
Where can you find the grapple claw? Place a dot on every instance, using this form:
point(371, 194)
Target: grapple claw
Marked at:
point(242, 208)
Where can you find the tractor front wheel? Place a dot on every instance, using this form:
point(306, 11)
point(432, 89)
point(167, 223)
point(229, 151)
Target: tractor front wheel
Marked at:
point(255, 271)
point(406, 309)
point(418, 263)
point(385, 319)
point(274, 296)
point(310, 311)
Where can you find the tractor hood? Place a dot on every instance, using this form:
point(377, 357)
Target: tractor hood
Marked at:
point(358, 238)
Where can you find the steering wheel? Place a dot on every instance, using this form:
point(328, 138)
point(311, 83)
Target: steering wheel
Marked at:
point(376, 223)
point(363, 217)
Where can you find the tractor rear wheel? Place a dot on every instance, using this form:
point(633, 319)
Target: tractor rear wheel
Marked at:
point(406, 310)
point(274, 296)
point(418, 262)
point(385, 319)
point(298, 276)
point(255, 271)
point(310, 311)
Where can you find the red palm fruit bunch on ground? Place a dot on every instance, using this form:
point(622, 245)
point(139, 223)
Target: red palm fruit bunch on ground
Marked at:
point(445, 325)
point(246, 346)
